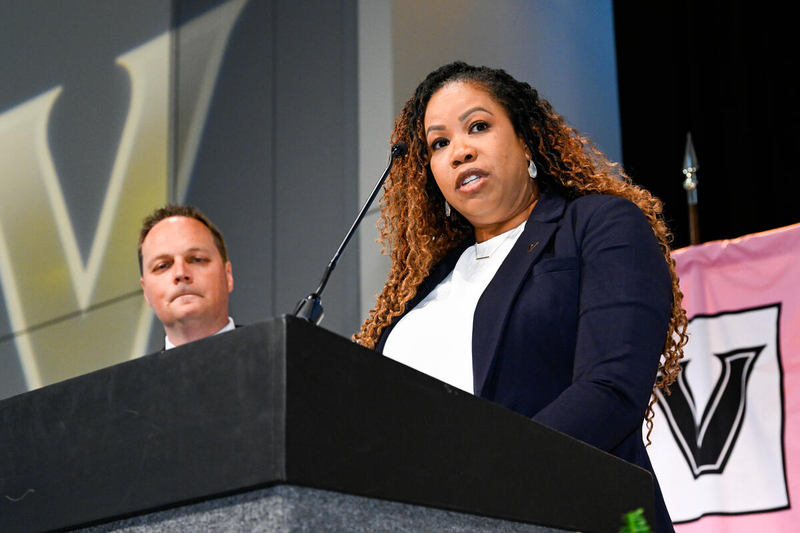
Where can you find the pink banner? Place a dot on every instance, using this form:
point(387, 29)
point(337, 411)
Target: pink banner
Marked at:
point(726, 443)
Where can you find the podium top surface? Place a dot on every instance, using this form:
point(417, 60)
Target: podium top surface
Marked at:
point(285, 402)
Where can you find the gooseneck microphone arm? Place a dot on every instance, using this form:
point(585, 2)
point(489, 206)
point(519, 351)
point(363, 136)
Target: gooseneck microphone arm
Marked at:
point(310, 308)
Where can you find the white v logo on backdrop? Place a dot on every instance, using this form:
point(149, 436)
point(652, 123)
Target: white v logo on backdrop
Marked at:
point(68, 317)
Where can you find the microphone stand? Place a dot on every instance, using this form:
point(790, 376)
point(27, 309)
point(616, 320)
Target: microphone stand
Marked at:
point(310, 308)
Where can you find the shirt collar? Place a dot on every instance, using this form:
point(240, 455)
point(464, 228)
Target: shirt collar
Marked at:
point(228, 327)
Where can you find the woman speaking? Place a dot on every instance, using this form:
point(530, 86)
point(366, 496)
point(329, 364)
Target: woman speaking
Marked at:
point(526, 268)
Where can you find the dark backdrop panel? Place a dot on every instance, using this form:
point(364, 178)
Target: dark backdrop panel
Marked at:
point(277, 167)
point(232, 181)
point(720, 70)
point(316, 149)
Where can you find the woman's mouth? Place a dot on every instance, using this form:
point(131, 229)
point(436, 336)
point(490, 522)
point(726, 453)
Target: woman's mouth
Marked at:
point(470, 180)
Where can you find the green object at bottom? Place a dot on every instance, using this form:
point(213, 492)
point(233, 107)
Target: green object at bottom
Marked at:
point(635, 522)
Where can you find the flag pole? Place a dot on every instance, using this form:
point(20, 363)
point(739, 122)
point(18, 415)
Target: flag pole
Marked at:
point(690, 167)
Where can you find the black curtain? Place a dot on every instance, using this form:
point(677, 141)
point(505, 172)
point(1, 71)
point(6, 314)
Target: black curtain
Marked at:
point(723, 71)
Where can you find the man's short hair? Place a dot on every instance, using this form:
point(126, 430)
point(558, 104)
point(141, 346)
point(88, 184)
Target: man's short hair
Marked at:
point(187, 211)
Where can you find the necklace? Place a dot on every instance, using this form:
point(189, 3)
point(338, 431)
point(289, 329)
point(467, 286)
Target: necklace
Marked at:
point(509, 234)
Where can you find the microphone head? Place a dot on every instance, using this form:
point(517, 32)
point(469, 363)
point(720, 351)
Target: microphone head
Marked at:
point(399, 149)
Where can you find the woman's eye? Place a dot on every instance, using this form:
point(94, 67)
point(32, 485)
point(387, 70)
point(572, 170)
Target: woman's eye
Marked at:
point(439, 143)
point(478, 127)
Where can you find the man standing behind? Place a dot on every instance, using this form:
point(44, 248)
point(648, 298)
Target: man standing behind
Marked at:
point(186, 275)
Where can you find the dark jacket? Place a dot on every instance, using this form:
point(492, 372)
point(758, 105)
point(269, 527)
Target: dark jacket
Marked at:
point(571, 328)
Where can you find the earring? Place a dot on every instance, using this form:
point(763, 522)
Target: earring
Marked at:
point(446, 209)
point(532, 172)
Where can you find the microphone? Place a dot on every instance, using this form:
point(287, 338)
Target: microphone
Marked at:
point(310, 308)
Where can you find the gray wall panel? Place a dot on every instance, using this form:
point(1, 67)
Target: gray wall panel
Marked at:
point(316, 155)
point(563, 48)
point(233, 180)
point(12, 380)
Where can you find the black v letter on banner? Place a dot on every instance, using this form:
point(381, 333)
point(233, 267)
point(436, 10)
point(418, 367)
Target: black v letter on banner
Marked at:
point(707, 441)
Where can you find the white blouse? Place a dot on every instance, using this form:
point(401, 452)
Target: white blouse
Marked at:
point(436, 336)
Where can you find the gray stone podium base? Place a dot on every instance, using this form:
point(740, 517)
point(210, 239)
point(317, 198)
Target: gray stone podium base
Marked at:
point(286, 508)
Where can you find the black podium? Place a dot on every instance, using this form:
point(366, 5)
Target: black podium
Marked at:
point(286, 404)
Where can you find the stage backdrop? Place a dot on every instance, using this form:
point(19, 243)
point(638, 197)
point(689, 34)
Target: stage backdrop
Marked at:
point(272, 116)
point(726, 443)
point(244, 108)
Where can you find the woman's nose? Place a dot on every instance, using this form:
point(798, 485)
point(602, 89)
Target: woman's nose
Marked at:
point(463, 152)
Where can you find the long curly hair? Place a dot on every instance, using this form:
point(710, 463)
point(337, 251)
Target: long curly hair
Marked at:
point(417, 234)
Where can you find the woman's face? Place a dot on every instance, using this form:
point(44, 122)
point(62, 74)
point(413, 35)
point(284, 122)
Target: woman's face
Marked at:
point(477, 159)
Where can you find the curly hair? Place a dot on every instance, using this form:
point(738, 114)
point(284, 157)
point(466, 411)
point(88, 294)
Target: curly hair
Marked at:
point(417, 233)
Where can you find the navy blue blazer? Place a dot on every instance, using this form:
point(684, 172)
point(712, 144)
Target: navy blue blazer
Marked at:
point(571, 328)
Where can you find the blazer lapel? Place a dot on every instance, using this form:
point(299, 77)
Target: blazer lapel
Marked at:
point(494, 305)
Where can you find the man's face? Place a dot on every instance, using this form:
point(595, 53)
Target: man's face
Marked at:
point(183, 276)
